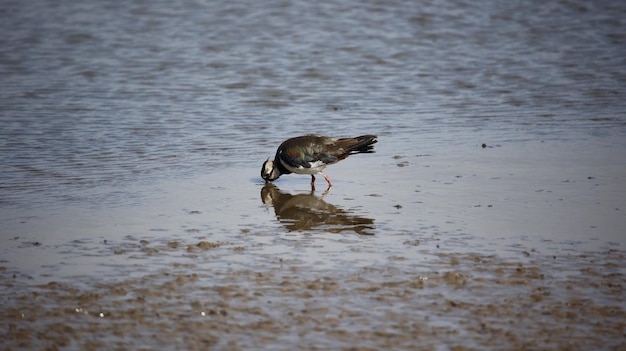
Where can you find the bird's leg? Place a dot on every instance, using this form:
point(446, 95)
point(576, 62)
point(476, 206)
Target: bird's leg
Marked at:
point(327, 179)
point(312, 182)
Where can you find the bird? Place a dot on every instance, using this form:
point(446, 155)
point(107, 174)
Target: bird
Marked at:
point(310, 154)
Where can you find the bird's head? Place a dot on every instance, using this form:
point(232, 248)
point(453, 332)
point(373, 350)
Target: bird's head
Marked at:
point(268, 171)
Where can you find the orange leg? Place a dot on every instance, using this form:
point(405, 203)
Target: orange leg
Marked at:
point(327, 179)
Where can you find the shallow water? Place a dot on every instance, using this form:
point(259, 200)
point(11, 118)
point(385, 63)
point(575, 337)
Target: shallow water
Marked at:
point(132, 136)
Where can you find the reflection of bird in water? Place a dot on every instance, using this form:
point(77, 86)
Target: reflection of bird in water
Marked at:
point(309, 212)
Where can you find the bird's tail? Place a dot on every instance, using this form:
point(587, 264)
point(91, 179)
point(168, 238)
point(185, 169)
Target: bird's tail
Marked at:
point(360, 144)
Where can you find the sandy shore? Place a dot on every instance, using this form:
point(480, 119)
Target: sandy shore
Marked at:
point(571, 301)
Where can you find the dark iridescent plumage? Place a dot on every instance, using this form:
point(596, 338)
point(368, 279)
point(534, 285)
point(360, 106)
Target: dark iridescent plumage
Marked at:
point(310, 154)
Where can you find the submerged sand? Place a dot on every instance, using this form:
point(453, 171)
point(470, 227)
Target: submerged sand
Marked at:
point(457, 252)
point(537, 300)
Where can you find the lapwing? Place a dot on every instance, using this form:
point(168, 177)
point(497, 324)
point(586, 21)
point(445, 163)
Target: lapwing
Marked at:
point(310, 154)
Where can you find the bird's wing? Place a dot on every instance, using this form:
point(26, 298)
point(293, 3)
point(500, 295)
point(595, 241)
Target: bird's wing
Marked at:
point(309, 151)
point(306, 157)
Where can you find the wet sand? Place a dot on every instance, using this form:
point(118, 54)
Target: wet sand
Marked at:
point(540, 301)
point(441, 254)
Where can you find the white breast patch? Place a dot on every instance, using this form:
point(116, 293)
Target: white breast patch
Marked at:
point(315, 168)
